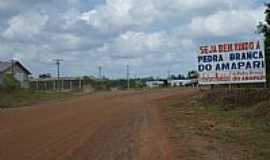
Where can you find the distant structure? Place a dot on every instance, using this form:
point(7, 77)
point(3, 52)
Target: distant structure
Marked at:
point(155, 84)
point(185, 82)
point(62, 83)
point(20, 72)
point(45, 75)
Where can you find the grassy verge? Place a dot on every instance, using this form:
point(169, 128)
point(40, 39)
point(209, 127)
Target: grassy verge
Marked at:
point(221, 125)
point(18, 98)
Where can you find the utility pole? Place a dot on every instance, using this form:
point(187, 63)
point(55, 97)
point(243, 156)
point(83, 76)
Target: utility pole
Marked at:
point(128, 85)
point(136, 75)
point(100, 73)
point(58, 61)
point(169, 75)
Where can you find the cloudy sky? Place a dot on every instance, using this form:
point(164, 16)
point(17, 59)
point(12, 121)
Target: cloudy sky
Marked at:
point(152, 36)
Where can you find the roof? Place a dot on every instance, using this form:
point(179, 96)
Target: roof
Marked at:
point(4, 66)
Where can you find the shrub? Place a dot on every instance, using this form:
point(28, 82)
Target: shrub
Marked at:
point(230, 100)
point(10, 83)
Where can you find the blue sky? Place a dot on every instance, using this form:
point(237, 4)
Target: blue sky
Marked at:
point(152, 36)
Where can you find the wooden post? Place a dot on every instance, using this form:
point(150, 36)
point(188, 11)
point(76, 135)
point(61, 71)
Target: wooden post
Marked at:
point(54, 87)
point(80, 84)
point(40, 85)
point(62, 84)
point(37, 85)
point(45, 86)
point(70, 84)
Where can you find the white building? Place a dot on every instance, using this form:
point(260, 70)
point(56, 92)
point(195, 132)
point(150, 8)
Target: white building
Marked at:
point(155, 84)
point(178, 83)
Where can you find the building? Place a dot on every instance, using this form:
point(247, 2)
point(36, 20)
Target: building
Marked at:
point(155, 84)
point(177, 83)
point(18, 70)
point(63, 83)
point(186, 82)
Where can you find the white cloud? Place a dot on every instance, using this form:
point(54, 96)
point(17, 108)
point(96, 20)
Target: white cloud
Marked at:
point(153, 36)
point(70, 17)
point(115, 12)
point(226, 23)
point(206, 4)
point(147, 50)
point(121, 14)
point(4, 4)
point(25, 26)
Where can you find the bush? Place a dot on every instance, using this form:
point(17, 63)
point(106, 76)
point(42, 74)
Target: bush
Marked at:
point(10, 83)
point(260, 111)
point(230, 100)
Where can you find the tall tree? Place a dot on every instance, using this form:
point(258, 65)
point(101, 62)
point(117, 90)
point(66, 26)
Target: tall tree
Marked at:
point(192, 74)
point(264, 28)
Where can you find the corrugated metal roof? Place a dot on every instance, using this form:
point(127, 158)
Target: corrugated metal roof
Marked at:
point(6, 65)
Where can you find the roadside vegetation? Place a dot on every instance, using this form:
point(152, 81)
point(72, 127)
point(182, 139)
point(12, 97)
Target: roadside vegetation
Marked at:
point(12, 95)
point(221, 124)
point(21, 97)
point(247, 113)
point(120, 84)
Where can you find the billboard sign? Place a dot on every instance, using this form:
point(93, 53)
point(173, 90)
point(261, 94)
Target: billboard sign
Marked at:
point(232, 63)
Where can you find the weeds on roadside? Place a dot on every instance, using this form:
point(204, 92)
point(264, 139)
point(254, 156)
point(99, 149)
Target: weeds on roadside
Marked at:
point(236, 122)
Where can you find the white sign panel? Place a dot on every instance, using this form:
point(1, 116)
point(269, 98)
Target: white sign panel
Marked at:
point(231, 63)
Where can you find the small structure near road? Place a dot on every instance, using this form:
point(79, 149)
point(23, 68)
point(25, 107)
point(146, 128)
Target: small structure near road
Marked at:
point(19, 71)
point(62, 84)
point(155, 84)
point(171, 83)
point(185, 82)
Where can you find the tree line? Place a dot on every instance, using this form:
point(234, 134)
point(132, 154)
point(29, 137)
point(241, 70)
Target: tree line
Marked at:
point(264, 28)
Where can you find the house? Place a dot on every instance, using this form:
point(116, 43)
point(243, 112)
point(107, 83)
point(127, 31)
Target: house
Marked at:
point(15, 67)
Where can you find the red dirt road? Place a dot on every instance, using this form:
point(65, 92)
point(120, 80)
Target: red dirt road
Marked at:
point(104, 126)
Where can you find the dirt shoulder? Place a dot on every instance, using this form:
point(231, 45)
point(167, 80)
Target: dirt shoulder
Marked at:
point(166, 124)
point(212, 132)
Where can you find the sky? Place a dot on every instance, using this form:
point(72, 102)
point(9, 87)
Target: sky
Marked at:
point(151, 36)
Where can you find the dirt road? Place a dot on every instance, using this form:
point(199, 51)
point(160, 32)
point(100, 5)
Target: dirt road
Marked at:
point(104, 126)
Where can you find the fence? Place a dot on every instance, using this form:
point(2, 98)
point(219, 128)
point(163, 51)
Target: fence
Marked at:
point(63, 84)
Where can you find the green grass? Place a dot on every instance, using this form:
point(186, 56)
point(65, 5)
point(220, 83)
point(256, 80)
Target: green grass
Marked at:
point(248, 132)
point(19, 98)
point(239, 128)
point(247, 124)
